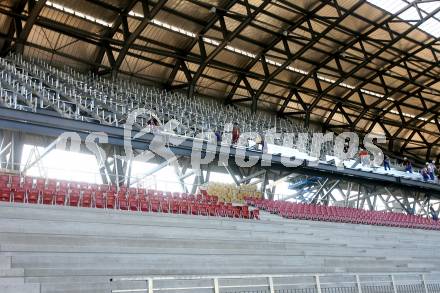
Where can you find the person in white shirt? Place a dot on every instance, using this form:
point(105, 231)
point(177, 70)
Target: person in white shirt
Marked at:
point(431, 170)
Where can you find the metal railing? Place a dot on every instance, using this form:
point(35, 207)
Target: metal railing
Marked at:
point(302, 283)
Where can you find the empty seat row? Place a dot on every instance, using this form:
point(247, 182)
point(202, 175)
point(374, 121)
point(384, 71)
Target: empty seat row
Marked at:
point(131, 203)
point(342, 214)
point(24, 189)
point(27, 182)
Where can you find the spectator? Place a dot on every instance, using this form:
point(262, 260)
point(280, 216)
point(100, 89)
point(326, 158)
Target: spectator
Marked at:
point(153, 124)
point(365, 157)
point(407, 164)
point(346, 147)
point(153, 121)
point(263, 143)
point(259, 142)
point(425, 172)
point(386, 163)
point(218, 136)
point(431, 170)
point(235, 133)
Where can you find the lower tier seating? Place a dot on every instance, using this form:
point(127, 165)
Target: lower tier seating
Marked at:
point(15, 188)
point(344, 215)
point(71, 250)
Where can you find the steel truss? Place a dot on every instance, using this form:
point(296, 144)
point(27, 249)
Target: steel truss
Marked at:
point(346, 188)
point(345, 193)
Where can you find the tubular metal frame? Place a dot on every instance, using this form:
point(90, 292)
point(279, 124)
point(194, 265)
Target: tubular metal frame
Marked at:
point(319, 283)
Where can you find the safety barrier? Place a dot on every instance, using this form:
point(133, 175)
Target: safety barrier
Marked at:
point(307, 283)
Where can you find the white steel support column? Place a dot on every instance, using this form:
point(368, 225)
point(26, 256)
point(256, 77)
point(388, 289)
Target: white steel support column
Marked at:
point(425, 286)
point(358, 284)
point(216, 287)
point(318, 284)
point(393, 283)
point(271, 287)
point(150, 286)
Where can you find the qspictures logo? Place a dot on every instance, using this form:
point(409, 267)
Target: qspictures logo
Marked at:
point(207, 145)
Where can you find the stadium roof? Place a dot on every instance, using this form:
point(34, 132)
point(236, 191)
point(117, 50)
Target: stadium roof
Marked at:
point(347, 64)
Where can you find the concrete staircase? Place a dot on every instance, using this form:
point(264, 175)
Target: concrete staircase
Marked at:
point(12, 279)
point(69, 250)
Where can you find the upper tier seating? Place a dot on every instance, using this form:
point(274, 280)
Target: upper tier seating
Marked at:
point(32, 84)
point(36, 86)
point(14, 188)
point(343, 215)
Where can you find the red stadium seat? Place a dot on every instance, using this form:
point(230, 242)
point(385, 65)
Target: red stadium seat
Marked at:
point(74, 198)
point(165, 206)
point(144, 205)
point(155, 205)
point(33, 196)
point(41, 183)
point(133, 202)
point(86, 200)
point(122, 189)
point(112, 188)
point(28, 183)
point(110, 201)
point(212, 210)
point(48, 197)
point(51, 185)
point(122, 202)
point(175, 207)
point(245, 212)
point(221, 210)
point(5, 195)
point(184, 207)
point(99, 200)
point(195, 208)
point(60, 198)
point(203, 209)
point(64, 185)
point(255, 214)
point(19, 195)
point(4, 179)
point(15, 181)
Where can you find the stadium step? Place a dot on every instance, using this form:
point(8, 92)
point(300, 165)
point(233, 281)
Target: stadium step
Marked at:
point(20, 288)
point(5, 262)
point(15, 272)
point(70, 250)
point(11, 281)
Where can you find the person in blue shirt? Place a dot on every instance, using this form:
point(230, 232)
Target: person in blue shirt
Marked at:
point(218, 136)
point(424, 172)
point(407, 164)
point(386, 163)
